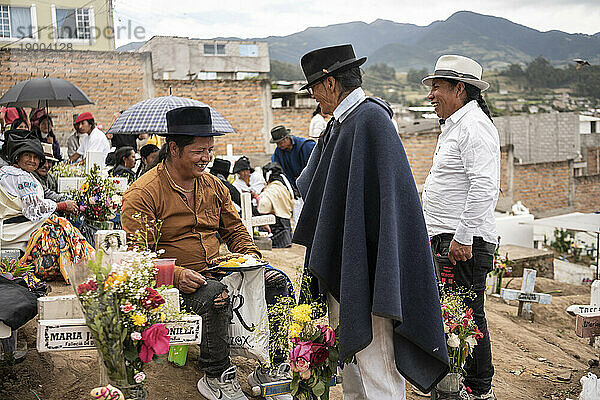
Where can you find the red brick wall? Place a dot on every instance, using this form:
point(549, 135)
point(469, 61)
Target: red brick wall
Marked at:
point(542, 187)
point(587, 193)
point(419, 150)
point(592, 165)
point(240, 102)
point(295, 119)
point(112, 80)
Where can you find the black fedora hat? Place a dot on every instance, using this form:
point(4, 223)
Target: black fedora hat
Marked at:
point(192, 121)
point(321, 63)
point(220, 166)
point(241, 164)
point(279, 133)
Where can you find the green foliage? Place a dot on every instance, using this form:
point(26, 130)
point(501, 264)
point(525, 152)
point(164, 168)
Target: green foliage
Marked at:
point(285, 71)
point(414, 76)
point(563, 240)
point(513, 71)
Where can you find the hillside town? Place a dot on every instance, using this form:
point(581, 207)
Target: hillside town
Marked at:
point(296, 217)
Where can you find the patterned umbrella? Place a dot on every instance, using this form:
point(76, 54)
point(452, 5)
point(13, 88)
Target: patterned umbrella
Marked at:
point(149, 116)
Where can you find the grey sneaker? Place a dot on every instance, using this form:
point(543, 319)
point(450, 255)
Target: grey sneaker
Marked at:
point(261, 376)
point(224, 388)
point(486, 396)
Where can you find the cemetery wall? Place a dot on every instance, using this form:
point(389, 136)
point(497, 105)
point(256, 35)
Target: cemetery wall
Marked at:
point(294, 118)
point(587, 193)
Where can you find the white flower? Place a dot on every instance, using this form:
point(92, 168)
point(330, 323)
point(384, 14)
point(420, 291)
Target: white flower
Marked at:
point(116, 199)
point(136, 336)
point(446, 329)
point(139, 377)
point(453, 340)
point(471, 341)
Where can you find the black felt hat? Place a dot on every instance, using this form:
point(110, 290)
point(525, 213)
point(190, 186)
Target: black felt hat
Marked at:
point(279, 133)
point(193, 121)
point(241, 164)
point(321, 63)
point(20, 146)
point(220, 166)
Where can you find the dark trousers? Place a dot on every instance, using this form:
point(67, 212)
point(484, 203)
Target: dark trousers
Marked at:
point(470, 274)
point(214, 348)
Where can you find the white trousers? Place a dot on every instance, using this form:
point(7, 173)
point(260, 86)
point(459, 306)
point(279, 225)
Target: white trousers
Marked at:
point(374, 376)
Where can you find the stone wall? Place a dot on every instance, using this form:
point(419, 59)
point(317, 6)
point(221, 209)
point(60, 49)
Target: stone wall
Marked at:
point(587, 193)
point(295, 119)
point(112, 80)
point(245, 104)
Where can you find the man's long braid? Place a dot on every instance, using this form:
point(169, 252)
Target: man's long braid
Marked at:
point(474, 93)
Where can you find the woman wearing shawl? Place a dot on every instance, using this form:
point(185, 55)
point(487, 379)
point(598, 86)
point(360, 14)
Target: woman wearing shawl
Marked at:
point(28, 221)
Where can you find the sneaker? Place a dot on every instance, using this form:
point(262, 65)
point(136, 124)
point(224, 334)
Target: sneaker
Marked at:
point(261, 376)
point(224, 388)
point(486, 396)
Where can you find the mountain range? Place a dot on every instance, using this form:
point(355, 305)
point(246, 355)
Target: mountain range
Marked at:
point(493, 41)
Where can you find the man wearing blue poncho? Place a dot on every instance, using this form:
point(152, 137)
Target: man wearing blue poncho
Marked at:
point(366, 240)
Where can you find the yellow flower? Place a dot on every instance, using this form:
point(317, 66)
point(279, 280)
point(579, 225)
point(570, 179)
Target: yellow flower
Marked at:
point(301, 313)
point(113, 280)
point(295, 330)
point(138, 319)
point(163, 316)
point(85, 187)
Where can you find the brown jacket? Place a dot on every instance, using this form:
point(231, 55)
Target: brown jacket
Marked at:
point(186, 234)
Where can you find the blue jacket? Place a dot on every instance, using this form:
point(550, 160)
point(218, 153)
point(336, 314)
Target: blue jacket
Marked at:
point(294, 161)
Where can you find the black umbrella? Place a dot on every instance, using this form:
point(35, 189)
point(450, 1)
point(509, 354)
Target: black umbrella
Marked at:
point(44, 92)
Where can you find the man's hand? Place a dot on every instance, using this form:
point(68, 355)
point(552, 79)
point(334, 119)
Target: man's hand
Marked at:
point(190, 280)
point(459, 252)
point(71, 206)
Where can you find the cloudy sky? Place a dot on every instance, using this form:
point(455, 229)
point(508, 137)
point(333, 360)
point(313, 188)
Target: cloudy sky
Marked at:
point(260, 18)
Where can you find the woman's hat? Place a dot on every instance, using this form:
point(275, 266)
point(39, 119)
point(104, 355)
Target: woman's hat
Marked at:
point(220, 166)
point(241, 164)
point(321, 63)
point(193, 121)
point(20, 146)
point(48, 153)
point(458, 68)
point(279, 133)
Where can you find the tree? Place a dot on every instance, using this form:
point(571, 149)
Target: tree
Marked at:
point(414, 77)
point(513, 71)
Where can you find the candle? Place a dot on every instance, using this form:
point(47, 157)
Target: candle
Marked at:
point(166, 268)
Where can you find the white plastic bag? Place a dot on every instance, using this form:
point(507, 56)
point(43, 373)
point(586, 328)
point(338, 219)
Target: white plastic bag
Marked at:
point(249, 331)
point(591, 387)
point(298, 204)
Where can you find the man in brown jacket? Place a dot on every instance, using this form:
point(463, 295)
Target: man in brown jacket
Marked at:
point(194, 206)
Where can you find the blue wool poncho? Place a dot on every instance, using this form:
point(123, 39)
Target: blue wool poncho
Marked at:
point(367, 243)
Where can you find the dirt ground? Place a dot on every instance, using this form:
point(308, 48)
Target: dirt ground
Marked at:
point(533, 360)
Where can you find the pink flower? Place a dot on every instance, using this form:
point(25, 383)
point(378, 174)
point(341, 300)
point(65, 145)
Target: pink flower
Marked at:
point(329, 334)
point(92, 201)
point(155, 340)
point(301, 351)
point(127, 307)
point(302, 367)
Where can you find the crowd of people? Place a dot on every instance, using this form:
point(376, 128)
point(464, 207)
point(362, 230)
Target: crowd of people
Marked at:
point(346, 193)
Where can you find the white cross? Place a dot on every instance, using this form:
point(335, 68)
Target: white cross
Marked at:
point(248, 220)
point(594, 305)
point(526, 296)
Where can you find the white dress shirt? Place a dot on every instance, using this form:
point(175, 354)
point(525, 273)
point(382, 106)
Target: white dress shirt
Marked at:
point(96, 141)
point(317, 125)
point(347, 105)
point(461, 190)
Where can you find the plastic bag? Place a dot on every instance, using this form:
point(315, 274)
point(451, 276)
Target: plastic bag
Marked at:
point(249, 329)
point(591, 387)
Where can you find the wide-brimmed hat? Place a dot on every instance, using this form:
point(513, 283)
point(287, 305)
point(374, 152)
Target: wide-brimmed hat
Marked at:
point(241, 164)
point(48, 152)
point(458, 68)
point(220, 166)
point(20, 146)
point(279, 133)
point(192, 121)
point(321, 63)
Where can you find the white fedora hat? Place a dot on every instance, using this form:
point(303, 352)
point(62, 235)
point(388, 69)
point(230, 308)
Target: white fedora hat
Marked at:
point(458, 68)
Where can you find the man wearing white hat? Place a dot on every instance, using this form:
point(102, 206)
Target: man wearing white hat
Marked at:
point(460, 195)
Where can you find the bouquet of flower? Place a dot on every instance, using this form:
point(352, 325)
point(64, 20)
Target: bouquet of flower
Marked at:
point(461, 331)
point(67, 170)
point(14, 269)
point(125, 314)
point(313, 354)
point(97, 198)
